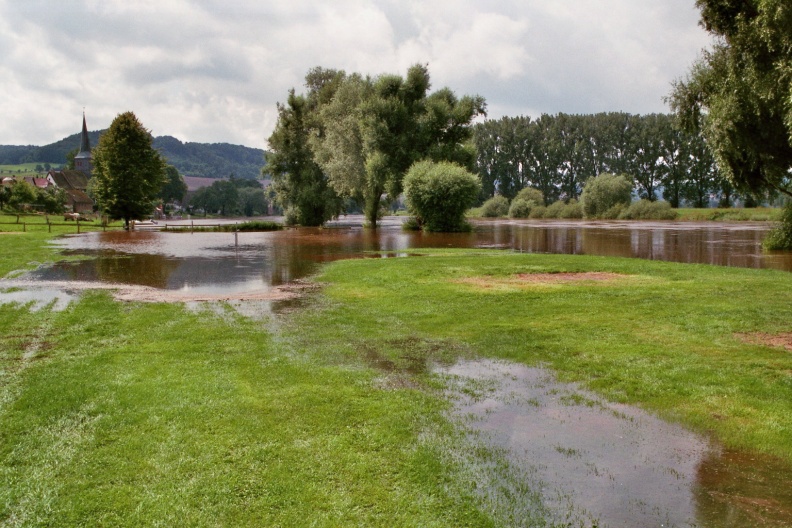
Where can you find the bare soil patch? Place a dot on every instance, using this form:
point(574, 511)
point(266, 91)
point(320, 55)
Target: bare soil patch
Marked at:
point(522, 280)
point(780, 340)
point(568, 277)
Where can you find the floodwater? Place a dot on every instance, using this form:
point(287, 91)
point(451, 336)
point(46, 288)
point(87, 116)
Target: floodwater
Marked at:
point(228, 264)
point(608, 464)
point(594, 461)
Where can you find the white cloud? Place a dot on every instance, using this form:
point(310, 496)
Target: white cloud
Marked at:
point(212, 70)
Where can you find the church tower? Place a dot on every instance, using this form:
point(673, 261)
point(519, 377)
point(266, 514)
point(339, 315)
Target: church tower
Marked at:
point(83, 159)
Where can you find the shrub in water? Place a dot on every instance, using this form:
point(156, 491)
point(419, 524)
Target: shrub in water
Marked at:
point(781, 236)
point(520, 208)
point(438, 194)
point(538, 211)
point(605, 192)
point(554, 209)
point(646, 210)
point(573, 209)
point(496, 206)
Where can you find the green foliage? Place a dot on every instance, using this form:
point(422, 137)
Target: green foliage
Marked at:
point(572, 209)
point(780, 238)
point(302, 187)
point(438, 194)
point(371, 131)
point(128, 172)
point(555, 153)
point(22, 194)
point(538, 212)
point(531, 194)
point(738, 94)
point(174, 189)
point(521, 208)
point(647, 210)
point(495, 207)
point(603, 194)
point(52, 200)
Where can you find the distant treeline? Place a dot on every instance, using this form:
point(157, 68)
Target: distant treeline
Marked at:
point(558, 153)
point(210, 160)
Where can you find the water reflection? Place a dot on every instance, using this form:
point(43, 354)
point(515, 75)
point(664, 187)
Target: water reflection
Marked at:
point(614, 463)
point(221, 263)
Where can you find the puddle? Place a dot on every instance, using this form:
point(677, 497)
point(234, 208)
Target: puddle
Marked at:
point(605, 464)
point(38, 297)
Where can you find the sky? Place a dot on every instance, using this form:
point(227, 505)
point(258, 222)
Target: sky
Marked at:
point(213, 71)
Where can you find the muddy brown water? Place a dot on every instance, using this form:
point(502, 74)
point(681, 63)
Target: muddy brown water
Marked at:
point(225, 263)
point(594, 461)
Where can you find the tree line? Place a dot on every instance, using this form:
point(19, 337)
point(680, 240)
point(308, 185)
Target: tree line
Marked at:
point(558, 153)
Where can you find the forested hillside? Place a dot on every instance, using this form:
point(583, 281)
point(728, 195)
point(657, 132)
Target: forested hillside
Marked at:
point(211, 160)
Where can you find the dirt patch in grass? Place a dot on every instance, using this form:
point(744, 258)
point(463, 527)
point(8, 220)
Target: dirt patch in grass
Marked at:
point(568, 277)
point(780, 340)
point(528, 279)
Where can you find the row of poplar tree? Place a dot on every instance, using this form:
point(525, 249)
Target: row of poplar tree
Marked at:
point(558, 153)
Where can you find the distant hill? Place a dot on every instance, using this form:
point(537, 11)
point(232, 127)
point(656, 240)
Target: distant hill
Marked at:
point(209, 160)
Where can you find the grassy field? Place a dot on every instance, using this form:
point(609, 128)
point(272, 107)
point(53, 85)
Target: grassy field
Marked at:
point(141, 414)
point(22, 169)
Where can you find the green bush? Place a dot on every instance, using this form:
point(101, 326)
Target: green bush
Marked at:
point(573, 209)
point(554, 209)
point(530, 194)
point(496, 206)
point(603, 194)
point(538, 211)
point(438, 194)
point(646, 210)
point(521, 208)
point(781, 236)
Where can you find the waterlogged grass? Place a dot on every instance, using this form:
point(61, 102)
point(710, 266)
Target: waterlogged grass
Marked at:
point(141, 414)
point(751, 214)
point(135, 415)
point(252, 225)
point(664, 336)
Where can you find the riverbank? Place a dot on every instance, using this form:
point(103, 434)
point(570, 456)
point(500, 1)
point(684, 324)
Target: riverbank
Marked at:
point(131, 413)
point(732, 214)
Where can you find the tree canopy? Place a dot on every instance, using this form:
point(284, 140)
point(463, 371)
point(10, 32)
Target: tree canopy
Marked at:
point(128, 172)
point(364, 133)
point(739, 93)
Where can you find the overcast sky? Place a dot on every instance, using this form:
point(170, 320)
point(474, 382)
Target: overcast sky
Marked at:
point(212, 70)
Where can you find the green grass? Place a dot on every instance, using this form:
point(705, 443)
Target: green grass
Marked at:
point(757, 214)
point(22, 169)
point(53, 224)
point(142, 414)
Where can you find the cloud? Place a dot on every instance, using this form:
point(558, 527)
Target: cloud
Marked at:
point(212, 70)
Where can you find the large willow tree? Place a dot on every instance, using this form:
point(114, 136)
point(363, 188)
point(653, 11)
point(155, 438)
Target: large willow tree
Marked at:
point(739, 94)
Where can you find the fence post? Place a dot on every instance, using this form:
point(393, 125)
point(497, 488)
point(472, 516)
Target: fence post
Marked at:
point(24, 227)
point(78, 227)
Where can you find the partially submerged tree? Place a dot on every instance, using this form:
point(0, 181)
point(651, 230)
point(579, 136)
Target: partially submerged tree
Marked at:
point(128, 172)
point(438, 194)
point(301, 186)
point(604, 196)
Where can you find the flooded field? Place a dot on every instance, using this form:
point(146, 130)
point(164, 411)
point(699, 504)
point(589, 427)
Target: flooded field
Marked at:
point(228, 266)
point(607, 464)
point(595, 462)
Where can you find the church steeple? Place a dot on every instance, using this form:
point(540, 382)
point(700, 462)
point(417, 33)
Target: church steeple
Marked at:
point(85, 144)
point(83, 159)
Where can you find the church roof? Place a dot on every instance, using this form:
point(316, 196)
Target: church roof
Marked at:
point(70, 179)
point(85, 144)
